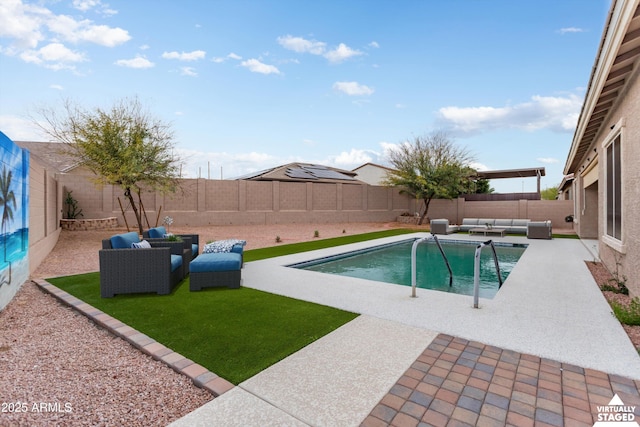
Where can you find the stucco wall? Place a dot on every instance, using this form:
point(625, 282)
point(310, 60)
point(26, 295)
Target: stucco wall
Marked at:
point(591, 214)
point(45, 212)
point(626, 263)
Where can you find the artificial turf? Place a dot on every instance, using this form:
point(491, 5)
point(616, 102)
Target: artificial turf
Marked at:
point(292, 248)
point(234, 333)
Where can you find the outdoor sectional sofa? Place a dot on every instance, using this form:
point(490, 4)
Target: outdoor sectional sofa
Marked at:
point(126, 270)
point(514, 226)
point(532, 229)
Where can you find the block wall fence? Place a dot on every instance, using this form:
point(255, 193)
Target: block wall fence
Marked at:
point(201, 202)
point(218, 202)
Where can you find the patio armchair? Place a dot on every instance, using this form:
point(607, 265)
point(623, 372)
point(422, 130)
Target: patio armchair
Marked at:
point(191, 241)
point(126, 270)
point(441, 226)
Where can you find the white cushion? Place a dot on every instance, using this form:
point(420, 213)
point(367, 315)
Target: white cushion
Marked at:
point(222, 246)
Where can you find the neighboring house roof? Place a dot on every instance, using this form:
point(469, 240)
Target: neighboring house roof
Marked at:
point(54, 155)
point(375, 165)
point(617, 58)
point(567, 180)
point(303, 172)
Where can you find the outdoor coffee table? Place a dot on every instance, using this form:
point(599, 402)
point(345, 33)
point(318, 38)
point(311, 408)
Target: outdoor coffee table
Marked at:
point(485, 231)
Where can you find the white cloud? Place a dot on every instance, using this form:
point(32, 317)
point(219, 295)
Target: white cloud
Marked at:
point(104, 35)
point(221, 59)
point(548, 160)
point(54, 56)
point(479, 166)
point(341, 53)
point(137, 62)
point(209, 164)
point(570, 30)
point(19, 129)
point(374, 44)
point(558, 114)
point(314, 47)
point(354, 157)
point(86, 5)
point(300, 45)
point(56, 87)
point(352, 88)
point(185, 56)
point(27, 25)
point(256, 66)
point(144, 47)
point(22, 23)
point(188, 71)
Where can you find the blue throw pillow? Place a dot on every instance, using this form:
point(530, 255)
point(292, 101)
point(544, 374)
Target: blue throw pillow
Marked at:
point(157, 232)
point(123, 241)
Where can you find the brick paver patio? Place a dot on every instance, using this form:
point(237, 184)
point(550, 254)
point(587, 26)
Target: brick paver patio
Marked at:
point(456, 382)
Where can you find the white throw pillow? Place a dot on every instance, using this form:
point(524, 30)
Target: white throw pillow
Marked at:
point(141, 245)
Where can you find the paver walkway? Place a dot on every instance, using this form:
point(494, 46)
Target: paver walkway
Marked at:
point(457, 382)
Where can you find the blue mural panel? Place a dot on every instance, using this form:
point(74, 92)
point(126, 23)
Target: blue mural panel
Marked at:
point(14, 214)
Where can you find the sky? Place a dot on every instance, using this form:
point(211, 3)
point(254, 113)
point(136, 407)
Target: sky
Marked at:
point(249, 85)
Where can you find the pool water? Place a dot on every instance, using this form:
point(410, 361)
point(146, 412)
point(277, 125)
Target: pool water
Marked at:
point(392, 264)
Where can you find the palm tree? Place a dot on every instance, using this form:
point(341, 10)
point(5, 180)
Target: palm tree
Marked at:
point(6, 197)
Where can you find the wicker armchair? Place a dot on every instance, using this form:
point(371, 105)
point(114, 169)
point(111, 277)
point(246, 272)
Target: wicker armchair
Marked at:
point(135, 270)
point(191, 241)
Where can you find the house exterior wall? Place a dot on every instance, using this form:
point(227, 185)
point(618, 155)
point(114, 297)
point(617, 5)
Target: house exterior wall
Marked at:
point(624, 263)
point(590, 201)
point(371, 174)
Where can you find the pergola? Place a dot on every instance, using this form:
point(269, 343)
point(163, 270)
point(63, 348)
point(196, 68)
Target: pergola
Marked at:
point(513, 173)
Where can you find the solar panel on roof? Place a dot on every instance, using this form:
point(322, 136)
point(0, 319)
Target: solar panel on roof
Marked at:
point(298, 173)
point(327, 173)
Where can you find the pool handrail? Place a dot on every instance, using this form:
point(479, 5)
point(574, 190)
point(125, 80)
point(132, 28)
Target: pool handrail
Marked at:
point(414, 249)
point(476, 270)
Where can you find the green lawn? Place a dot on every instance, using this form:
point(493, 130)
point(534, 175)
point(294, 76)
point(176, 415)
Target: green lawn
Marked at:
point(234, 333)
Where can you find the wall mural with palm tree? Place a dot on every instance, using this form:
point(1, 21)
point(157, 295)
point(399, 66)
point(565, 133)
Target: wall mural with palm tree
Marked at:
point(14, 227)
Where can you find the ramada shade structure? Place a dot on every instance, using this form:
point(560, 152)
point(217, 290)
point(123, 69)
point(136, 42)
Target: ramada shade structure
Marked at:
point(513, 173)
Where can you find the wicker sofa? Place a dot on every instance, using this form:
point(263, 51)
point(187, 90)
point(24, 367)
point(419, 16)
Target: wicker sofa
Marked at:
point(126, 270)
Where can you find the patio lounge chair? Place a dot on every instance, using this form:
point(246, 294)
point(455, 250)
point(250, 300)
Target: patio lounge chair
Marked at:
point(127, 270)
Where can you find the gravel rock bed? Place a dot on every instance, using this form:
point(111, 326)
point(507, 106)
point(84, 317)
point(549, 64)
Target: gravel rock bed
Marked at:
point(602, 276)
point(58, 362)
point(60, 369)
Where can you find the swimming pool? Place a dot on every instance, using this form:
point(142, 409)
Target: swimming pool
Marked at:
point(391, 263)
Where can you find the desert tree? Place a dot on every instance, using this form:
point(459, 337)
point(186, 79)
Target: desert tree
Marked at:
point(123, 145)
point(430, 167)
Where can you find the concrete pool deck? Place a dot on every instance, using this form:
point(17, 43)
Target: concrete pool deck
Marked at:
point(549, 308)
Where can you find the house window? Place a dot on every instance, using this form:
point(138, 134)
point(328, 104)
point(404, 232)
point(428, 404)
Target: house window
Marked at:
point(613, 192)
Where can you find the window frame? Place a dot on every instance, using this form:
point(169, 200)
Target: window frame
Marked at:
point(615, 137)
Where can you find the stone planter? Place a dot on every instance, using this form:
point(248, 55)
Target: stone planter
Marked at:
point(89, 224)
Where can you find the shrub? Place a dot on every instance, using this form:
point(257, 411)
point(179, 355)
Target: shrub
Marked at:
point(629, 315)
